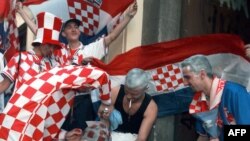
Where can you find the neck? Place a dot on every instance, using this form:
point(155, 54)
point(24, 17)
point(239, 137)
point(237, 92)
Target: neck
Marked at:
point(38, 51)
point(74, 44)
point(208, 86)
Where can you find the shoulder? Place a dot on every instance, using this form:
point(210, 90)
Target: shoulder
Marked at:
point(233, 89)
point(233, 86)
point(152, 108)
point(115, 93)
point(96, 42)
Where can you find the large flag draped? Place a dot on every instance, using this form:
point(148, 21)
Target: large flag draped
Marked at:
point(161, 61)
point(37, 110)
point(98, 16)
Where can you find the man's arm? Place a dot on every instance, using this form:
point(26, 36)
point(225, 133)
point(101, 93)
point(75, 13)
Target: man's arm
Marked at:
point(114, 93)
point(120, 27)
point(150, 116)
point(23, 13)
point(4, 84)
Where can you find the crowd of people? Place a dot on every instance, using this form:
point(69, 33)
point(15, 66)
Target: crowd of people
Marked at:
point(137, 110)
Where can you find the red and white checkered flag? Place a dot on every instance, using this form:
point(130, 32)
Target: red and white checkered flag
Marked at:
point(96, 15)
point(85, 12)
point(167, 78)
point(38, 108)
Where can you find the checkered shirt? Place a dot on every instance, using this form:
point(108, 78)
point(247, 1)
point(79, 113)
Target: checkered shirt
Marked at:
point(37, 110)
point(30, 65)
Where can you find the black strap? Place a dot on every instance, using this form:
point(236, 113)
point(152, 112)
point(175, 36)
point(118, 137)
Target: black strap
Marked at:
point(19, 61)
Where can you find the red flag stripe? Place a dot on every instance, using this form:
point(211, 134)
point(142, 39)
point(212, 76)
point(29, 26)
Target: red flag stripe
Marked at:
point(160, 54)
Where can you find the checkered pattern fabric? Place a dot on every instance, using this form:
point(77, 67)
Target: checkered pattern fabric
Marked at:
point(49, 27)
point(39, 107)
point(30, 65)
point(198, 103)
point(12, 43)
point(98, 131)
point(85, 12)
point(13, 33)
point(167, 78)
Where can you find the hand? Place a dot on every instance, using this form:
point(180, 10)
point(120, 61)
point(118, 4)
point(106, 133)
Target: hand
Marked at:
point(247, 50)
point(19, 7)
point(74, 135)
point(104, 111)
point(87, 60)
point(214, 139)
point(132, 10)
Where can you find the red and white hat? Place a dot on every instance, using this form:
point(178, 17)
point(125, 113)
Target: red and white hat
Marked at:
point(48, 31)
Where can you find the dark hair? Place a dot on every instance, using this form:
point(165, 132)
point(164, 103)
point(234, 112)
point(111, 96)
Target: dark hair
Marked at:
point(76, 21)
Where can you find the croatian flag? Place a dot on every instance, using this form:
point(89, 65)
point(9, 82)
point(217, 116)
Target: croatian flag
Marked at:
point(98, 17)
point(37, 110)
point(161, 61)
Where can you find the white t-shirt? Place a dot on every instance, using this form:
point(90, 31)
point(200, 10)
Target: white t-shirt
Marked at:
point(95, 49)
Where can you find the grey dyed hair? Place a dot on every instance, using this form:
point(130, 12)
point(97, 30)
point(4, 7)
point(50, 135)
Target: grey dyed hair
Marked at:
point(136, 78)
point(197, 63)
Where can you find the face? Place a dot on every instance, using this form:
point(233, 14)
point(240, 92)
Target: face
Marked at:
point(71, 32)
point(47, 50)
point(134, 94)
point(192, 79)
point(248, 52)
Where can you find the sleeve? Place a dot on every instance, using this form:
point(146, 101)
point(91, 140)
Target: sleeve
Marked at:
point(105, 89)
point(61, 135)
point(95, 49)
point(199, 128)
point(11, 69)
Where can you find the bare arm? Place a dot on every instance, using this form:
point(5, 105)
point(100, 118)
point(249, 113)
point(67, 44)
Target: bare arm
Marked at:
point(114, 93)
point(247, 50)
point(4, 84)
point(120, 27)
point(150, 116)
point(28, 20)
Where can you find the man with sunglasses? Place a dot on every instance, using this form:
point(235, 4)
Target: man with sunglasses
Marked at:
point(216, 102)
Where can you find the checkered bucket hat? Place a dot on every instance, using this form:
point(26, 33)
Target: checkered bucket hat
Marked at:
point(48, 31)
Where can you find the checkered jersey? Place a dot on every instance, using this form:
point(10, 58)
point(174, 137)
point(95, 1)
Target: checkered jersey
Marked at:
point(95, 49)
point(37, 110)
point(30, 65)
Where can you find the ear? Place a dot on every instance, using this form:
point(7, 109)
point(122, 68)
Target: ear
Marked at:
point(63, 34)
point(203, 74)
